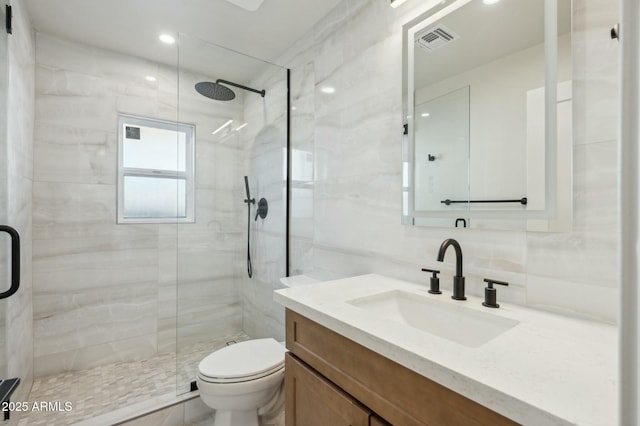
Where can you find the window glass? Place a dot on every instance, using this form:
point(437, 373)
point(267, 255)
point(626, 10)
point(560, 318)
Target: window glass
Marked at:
point(154, 197)
point(155, 171)
point(150, 148)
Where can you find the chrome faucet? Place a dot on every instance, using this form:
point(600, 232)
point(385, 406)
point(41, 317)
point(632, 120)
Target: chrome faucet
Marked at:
point(458, 279)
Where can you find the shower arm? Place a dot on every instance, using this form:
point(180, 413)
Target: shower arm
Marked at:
point(230, 83)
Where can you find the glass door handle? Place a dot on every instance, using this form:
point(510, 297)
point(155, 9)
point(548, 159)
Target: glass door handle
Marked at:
point(15, 261)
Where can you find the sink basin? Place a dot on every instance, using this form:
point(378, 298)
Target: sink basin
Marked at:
point(450, 321)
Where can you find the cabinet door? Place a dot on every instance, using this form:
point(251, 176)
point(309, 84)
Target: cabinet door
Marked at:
point(311, 400)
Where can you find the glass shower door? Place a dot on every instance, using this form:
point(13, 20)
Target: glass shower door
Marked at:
point(238, 105)
point(5, 242)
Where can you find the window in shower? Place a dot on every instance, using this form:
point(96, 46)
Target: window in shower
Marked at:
point(155, 171)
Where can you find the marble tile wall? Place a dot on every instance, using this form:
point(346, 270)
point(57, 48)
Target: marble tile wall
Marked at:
point(578, 271)
point(19, 315)
point(105, 292)
point(266, 142)
point(348, 221)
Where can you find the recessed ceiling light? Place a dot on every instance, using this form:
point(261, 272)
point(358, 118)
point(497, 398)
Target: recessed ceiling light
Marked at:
point(426, 114)
point(396, 3)
point(241, 127)
point(250, 5)
point(222, 127)
point(150, 78)
point(167, 38)
point(328, 89)
point(490, 1)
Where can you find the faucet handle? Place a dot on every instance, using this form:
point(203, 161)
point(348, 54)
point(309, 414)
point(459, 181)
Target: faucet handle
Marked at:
point(435, 281)
point(490, 293)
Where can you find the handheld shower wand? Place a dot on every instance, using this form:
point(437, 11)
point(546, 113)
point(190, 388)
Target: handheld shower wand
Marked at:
point(246, 187)
point(249, 201)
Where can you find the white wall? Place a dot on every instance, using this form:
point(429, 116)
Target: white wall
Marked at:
point(355, 138)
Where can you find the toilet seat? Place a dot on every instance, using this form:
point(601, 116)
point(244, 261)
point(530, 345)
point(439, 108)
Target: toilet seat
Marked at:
point(242, 362)
point(239, 379)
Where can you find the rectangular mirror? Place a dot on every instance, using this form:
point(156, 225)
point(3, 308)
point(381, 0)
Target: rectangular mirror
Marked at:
point(487, 95)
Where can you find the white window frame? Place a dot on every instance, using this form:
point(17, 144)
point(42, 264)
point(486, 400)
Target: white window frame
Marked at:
point(188, 175)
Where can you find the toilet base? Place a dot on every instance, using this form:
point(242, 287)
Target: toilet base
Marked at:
point(236, 418)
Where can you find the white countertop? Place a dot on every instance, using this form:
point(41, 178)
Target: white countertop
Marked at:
point(547, 370)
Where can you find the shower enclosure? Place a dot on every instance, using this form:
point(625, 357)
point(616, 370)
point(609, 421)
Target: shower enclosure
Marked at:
point(239, 107)
point(140, 270)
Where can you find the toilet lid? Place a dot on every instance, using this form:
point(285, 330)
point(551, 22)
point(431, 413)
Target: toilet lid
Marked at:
point(243, 360)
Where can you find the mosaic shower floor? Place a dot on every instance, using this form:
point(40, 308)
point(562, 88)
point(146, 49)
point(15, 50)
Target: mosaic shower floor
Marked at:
point(111, 387)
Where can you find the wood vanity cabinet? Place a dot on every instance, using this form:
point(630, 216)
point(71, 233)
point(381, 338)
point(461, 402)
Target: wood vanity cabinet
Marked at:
point(333, 381)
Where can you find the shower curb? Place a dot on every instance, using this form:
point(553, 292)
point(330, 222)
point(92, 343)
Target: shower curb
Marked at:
point(138, 410)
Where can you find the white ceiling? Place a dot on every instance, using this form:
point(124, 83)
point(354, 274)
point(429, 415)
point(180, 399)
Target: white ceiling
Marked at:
point(132, 26)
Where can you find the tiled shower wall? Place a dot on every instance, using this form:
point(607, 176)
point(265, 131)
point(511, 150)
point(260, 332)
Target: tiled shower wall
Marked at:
point(267, 142)
point(105, 292)
point(346, 220)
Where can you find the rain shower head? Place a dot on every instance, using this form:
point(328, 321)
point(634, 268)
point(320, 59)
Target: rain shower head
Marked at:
point(215, 91)
point(219, 92)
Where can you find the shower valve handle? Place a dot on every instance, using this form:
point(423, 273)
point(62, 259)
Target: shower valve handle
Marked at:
point(263, 208)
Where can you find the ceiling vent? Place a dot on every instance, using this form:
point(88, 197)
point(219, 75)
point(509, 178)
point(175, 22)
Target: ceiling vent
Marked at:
point(435, 37)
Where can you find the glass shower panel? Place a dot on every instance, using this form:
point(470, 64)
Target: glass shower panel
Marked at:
point(5, 248)
point(246, 136)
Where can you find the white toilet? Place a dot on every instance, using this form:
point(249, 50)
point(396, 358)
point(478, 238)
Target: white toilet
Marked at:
point(242, 379)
